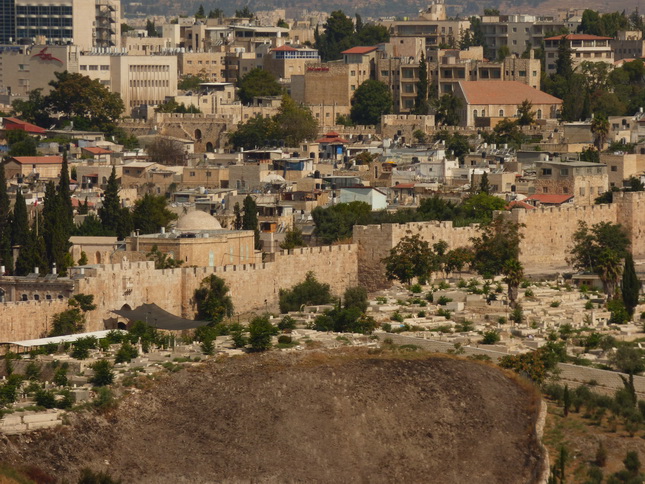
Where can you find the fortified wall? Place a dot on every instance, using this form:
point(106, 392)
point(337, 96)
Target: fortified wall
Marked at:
point(548, 234)
point(375, 241)
point(253, 287)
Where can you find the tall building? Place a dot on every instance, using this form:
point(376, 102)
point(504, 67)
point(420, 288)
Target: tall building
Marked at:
point(86, 23)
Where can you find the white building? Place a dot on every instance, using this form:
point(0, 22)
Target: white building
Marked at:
point(374, 197)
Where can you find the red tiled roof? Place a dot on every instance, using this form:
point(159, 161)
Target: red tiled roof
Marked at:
point(77, 203)
point(578, 37)
point(359, 50)
point(519, 204)
point(95, 150)
point(550, 199)
point(404, 185)
point(335, 140)
point(504, 92)
point(15, 124)
point(38, 160)
point(285, 48)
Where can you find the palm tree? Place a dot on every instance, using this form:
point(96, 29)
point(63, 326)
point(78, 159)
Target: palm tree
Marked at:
point(513, 272)
point(600, 130)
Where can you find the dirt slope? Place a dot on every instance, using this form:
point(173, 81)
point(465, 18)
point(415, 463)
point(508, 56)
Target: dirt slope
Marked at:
point(344, 417)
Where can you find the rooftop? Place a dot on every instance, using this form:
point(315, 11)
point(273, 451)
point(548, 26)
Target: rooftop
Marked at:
point(578, 37)
point(359, 50)
point(504, 92)
point(38, 160)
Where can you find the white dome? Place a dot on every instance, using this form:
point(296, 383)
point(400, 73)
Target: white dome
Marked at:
point(196, 221)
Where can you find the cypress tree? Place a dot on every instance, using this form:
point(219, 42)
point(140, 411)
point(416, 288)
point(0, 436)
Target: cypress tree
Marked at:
point(115, 219)
point(33, 253)
point(421, 102)
point(630, 285)
point(55, 230)
point(66, 210)
point(20, 221)
point(6, 256)
point(250, 219)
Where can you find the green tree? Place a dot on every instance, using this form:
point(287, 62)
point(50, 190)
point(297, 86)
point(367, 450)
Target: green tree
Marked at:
point(250, 219)
point(103, 374)
point(294, 123)
point(421, 105)
point(151, 28)
point(212, 300)
point(336, 222)
point(356, 297)
point(32, 109)
point(237, 222)
point(526, 115)
point(600, 130)
point(151, 213)
point(21, 144)
point(564, 64)
point(498, 243)
point(282, 24)
point(161, 260)
point(257, 82)
point(6, 256)
point(19, 220)
point(503, 52)
point(85, 101)
point(484, 185)
point(65, 195)
point(630, 285)
point(292, 239)
point(337, 36)
point(244, 13)
point(310, 292)
point(370, 101)
point(447, 109)
point(260, 332)
point(253, 133)
point(481, 206)
point(191, 82)
point(513, 273)
point(600, 250)
point(33, 253)
point(115, 219)
point(55, 229)
point(628, 359)
point(200, 14)
point(411, 258)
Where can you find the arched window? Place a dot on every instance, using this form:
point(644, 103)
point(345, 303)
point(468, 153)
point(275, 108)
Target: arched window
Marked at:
point(539, 114)
point(97, 257)
point(501, 113)
point(475, 113)
point(36, 297)
point(483, 113)
point(209, 147)
point(24, 297)
point(198, 134)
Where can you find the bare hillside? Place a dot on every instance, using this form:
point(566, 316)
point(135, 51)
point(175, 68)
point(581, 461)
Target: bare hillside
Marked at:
point(317, 417)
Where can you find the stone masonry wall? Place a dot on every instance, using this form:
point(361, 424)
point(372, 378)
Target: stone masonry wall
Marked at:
point(253, 287)
point(23, 320)
point(375, 241)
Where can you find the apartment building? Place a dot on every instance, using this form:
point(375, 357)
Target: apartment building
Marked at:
point(287, 60)
point(628, 45)
point(584, 48)
point(86, 23)
point(211, 65)
point(436, 33)
point(517, 32)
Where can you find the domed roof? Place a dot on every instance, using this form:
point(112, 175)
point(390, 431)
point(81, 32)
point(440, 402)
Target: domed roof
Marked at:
point(196, 221)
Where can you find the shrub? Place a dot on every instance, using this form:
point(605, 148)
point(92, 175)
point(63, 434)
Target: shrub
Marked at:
point(430, 297)
point(104, 400)
point(103, 374)
point(443, 300)
point(461, 284)
point(32, 372)
point(415, 289)
point(67, 401)
point(528, 293)
point(386, 327)
point(45, 398)
point(588, 305)
point(397, 316)
point(238, 337)
point(284, 339)
point(517, 315)
point(287, 324)
point(126, 353)
point(444, 285)
point(81, 347)
point(208, 347)
point(421, 314)
point(60, 377)
point(308, 292)
point(555, 304)
point(490, 337)
point(619, 314)
point(444, 312)
point(260, 332)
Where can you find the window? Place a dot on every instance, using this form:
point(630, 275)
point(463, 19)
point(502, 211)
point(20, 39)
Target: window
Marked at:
point(614, 168)
point(546, 171)
point(192, 173)
point(94, 68)
point(83, 67)
point(522, 74)
point(501, 113)
point(564, 171)
point(539, 114)
point(385, 73)
point(475, 113)
point(545, 189)
point(105, 68)
point(352, 73)
point(353, 87)
point(565, 190)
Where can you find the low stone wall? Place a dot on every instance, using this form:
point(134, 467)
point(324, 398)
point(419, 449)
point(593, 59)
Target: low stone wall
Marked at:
point(19, 423)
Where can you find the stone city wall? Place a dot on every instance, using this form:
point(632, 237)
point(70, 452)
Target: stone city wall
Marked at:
point(253, 287)
point(22, 320)
point(548, 234)
point(375, 241)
